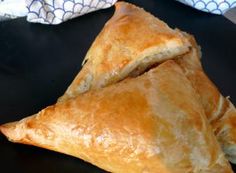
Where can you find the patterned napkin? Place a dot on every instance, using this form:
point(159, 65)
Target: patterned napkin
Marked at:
point(212, 6)
point(50, 11)
point(58, 11)
point(12, 9)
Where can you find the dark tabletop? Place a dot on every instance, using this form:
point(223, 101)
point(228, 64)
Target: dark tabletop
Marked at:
point(38, 62)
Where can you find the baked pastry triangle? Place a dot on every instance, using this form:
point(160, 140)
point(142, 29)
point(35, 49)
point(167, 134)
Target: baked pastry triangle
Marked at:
point(107, 63)
point(130, 41)
point(151, 123)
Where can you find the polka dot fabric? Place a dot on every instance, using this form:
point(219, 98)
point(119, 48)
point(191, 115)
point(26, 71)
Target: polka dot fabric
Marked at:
point(212, 6)
point(58, 11)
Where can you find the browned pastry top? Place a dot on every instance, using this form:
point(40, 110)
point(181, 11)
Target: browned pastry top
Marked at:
point(152, 123)
point(127, 38)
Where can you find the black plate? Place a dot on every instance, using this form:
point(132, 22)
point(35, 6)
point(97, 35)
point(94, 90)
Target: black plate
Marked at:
point(38, 62)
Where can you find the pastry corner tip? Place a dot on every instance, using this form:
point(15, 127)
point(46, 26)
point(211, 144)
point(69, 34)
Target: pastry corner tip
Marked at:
point(8, 130)
point(121, 4)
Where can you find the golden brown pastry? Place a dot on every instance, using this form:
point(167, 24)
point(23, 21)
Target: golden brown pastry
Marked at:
point(220, 112)
point(153, 123)
point(107, 63)
point(129, 42)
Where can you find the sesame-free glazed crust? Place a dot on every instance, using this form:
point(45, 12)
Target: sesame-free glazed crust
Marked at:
point(220, 112)
point(118, 51)
point(153, 123)
point(128, 38)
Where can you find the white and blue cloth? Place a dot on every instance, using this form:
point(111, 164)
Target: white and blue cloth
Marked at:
point(50, 11)
point(58, 11)
point(212, 6)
